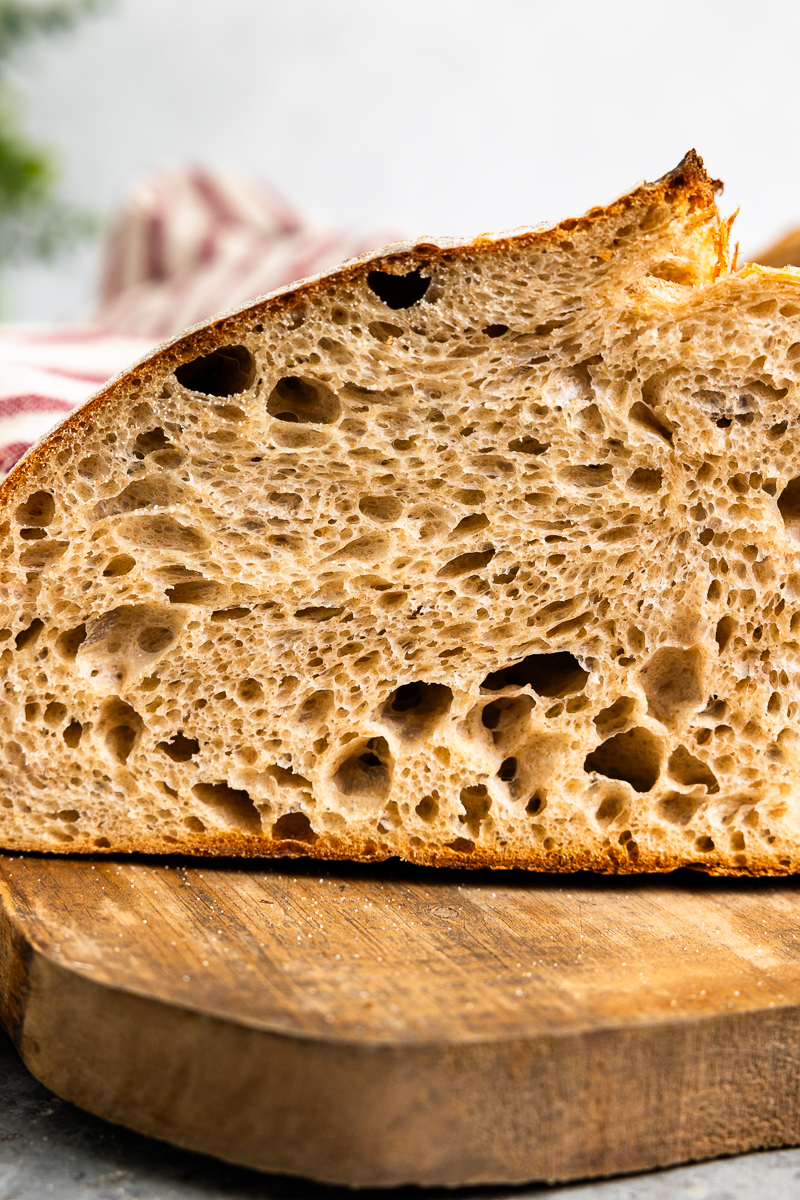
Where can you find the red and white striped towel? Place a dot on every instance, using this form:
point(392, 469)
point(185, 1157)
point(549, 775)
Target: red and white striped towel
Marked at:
point(186, 244)
point(45, 373)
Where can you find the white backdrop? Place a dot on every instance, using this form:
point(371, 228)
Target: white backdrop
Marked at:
point(431, 116)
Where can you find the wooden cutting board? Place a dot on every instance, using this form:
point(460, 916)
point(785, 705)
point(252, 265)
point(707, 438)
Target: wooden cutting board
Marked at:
point(385, 1025)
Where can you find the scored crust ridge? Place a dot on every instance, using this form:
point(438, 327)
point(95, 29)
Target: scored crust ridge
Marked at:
point(478, 554)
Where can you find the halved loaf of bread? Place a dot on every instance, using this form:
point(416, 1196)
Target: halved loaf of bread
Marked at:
point(476, 554)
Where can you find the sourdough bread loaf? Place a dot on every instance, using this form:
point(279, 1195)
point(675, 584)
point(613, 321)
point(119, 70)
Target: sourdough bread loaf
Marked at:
point(475, 554)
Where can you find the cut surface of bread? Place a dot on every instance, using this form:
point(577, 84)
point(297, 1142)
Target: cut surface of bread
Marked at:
point(475, 554)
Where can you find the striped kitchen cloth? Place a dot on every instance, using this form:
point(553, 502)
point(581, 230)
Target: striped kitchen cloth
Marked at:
point(46, 372)
point(188, 244)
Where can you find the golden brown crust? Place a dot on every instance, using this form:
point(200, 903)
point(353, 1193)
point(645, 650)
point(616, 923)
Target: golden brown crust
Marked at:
point(332, 849)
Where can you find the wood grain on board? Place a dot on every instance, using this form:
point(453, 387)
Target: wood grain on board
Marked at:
point(385, 1025)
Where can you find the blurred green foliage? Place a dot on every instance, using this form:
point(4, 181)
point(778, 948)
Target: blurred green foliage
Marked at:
point(34, 222)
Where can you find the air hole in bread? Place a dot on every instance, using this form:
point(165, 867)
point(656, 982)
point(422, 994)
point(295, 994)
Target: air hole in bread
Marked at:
point(194, 824)
point(72, 734)
point(92, 467)
point(609, 809)
point(161, 532)
point(381, 508)
point(646, 480)
point(285, 777)
point(507, 576)
point(366, 771)
point(230, 614)
point(428, 808)
point(672, 683)
point(234, 805)
point(471, 496)
point(590, 476)
point(229, 412)
point(154, 638)
point(475, 804)
point(675, 271)
point(120, 564)
point(615, 717)
point(789, 508)
point(398, 291)
point(28, 636)
point(70, 642)
point(152, 492)
point(42, 554)
point(722, 634)
point(415, 709)
point(196, 591)
point(528, 445)
point(294, 827)
point(496, 330)
point(558, 674)
point(315, 708)
point(303, 401)
point(535, 805)
point(318, 613)
point(290, 501)
point(224, 372)
point(60, 834)
point(120, 726)
point(179, 747)
point(466, 564)
point(249, 690)
point(508, 769)
point(124, 639)
point(634, 757)
point(713, 402)
point(474, 523)
point(153, 439)
point(690, 771)
point(679, 809)
point(643, 415)
point(509, 719)
point(383, 331)
point(293, 437)
point(54, 713)
point(32, 535)
point(15, 754)
point(368, 548)
point(462, 846)
point(39, 509)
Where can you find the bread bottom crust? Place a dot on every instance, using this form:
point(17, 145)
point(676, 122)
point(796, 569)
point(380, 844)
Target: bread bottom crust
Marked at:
point(329, 849)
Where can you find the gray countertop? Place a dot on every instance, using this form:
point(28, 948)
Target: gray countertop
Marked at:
point(50, 1148)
